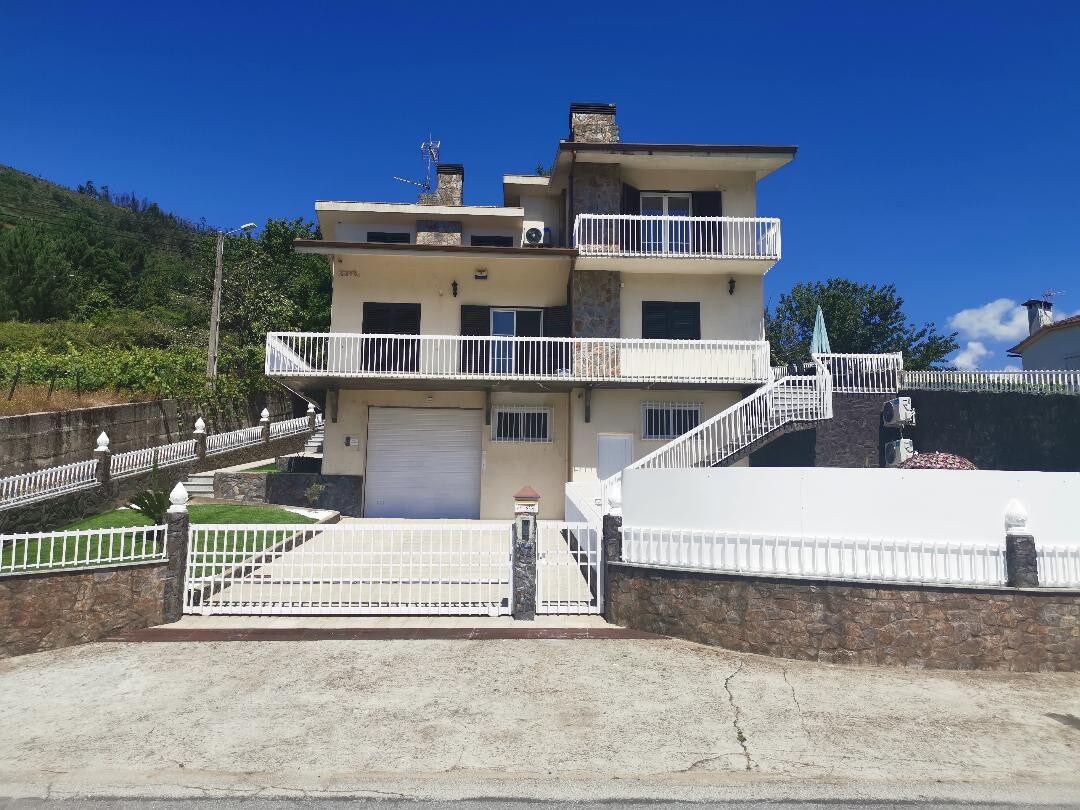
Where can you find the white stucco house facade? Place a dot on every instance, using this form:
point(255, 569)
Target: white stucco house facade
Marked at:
point(1050, 344)
point(597, 313)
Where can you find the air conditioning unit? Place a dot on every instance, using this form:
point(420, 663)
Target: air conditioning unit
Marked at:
point(898, 412)
point(896, 453)
point(534, 236)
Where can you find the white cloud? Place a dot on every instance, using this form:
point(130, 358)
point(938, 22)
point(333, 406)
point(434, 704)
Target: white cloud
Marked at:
point(1002, 320)
point(967, 359)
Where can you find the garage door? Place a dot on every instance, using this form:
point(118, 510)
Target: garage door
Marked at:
point(423, 463)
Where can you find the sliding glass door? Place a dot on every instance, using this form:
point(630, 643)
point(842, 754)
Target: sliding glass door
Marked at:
point(666, 235)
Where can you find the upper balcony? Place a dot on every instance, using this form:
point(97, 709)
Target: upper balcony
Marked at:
point(310, 360)
point(728, 244)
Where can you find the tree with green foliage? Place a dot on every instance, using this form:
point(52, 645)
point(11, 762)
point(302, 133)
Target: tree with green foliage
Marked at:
point(35, 276)
point(860, 318)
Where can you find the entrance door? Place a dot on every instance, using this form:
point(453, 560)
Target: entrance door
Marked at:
point(423, 463)
point(666, 235)
point(614, 452)
point(521, 356)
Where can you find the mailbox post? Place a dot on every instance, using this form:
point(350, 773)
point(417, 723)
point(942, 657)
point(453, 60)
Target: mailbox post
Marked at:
point(526, 508)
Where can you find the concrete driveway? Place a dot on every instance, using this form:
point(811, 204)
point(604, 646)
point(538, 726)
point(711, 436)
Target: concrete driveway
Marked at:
point(619, 719)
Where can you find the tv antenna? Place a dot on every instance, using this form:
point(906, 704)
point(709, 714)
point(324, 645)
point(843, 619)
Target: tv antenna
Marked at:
point(429, 153)
point(1049, 295)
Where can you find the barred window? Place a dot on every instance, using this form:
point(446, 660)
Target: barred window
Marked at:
point(520, 423)
point(668, 420)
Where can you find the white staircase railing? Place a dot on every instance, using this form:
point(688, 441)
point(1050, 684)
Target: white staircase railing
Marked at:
point(780, 402)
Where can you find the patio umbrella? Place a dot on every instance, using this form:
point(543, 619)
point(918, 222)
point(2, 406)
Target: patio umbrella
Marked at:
point(819, 343)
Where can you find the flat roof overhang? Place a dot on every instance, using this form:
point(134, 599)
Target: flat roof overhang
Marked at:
point(762, 160)
point(676, 265)
point(465, 251)
point(313, 384)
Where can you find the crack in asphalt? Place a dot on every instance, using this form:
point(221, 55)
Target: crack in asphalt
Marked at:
point(735, 720)
point(798, 706)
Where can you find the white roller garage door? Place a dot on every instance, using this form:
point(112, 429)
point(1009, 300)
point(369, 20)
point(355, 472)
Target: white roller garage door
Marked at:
point(423, 463)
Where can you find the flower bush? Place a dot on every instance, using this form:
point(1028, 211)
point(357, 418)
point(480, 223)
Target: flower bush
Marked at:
point(937, 461)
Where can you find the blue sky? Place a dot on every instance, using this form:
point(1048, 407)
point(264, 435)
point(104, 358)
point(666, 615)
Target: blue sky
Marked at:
point(938, 140)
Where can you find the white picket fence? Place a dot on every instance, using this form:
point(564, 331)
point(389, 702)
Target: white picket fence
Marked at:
point(866, 558)
point(415, 567)
point(47, 483)
point(569, 576)
point(82, 548)
point(233, 440)
point(1045, 382)
point(1059, 566)
point(136, 461)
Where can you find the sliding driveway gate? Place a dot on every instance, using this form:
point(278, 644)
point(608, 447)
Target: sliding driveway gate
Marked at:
point(411, 567)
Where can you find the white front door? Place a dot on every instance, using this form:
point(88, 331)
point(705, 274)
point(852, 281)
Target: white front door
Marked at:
point(614, 453)
point(423, 463)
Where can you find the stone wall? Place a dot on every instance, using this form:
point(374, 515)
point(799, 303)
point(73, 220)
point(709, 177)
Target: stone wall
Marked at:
point(53, 513)
point(436, 232)
point(999, 431)
point(597, 189)
point(44, 611)
point(996, 431)
point(341, 493)
point(39, 440)
point(595, 303)
point(249, 487)
point(449, 188)
point(853, 623)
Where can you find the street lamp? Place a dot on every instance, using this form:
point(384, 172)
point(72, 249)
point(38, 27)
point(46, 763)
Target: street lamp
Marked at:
point(215, 308)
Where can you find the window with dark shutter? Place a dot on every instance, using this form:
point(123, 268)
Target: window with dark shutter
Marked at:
point(388, 237)
point(475, 321)
point(491, 241)
point(381, 353)
point(671, 320)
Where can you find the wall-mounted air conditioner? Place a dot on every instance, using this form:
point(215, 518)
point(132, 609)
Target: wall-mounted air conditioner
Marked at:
point(897, 452)
point(537, 235)
point(898, 412)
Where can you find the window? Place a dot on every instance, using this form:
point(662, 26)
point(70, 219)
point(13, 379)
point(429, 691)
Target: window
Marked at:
point(388, 237)
point(512, 357)
point(672, 233)
point(520, 423)
point(491, 241)
point(668, 420)
point(672, 320)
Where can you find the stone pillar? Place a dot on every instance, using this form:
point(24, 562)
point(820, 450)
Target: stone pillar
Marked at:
point(613, 538)
point(526, 507)
point(176, 547)
point(104, 459)
point(311, 418)
point(1021, 563)
point(200, 438)
point(264, 423)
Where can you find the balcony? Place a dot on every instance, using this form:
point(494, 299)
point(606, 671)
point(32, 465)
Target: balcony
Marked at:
point(727, 240)
point(312, 360)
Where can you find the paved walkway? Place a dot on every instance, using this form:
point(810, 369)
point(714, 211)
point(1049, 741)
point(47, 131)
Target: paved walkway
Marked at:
point(661, 719)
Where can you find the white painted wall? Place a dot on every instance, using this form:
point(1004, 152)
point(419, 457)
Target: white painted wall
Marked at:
point(881, 503)
point(737, 316)
point(1059, 349)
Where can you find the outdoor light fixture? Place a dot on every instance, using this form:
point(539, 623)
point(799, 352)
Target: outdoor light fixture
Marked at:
point(731, 286)
point(480, 274)
point(453, 288)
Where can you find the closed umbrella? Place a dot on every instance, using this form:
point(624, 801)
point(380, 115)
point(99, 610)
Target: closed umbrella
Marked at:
point(819, 343)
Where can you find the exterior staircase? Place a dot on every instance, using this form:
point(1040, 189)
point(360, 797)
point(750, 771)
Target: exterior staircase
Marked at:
point(782, 406)
point(200, 485)
point(314, 444)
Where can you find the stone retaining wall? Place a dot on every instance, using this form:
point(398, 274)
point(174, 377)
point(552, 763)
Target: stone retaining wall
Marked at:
point(247, 487)
point(38, 440)
point(44, 611)
point(1019, 630)
point(53, 513)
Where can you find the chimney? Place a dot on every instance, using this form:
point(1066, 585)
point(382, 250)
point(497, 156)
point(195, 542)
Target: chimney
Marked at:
point(449, 186)
point(1040, 314)
point(593, 123)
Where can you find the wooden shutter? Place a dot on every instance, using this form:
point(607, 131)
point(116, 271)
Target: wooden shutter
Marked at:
point(706, 238)
point(629, 236)
point(557, 354)
point(476, 322)
point(671, 320)
point(654, 319)
point(390, 354)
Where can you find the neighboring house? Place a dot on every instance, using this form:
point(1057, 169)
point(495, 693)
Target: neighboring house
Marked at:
point(1050, 344)
point(598, 313)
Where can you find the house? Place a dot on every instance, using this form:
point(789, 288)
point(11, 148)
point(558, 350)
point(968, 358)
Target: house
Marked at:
point(596, 314)
point(1050, 344)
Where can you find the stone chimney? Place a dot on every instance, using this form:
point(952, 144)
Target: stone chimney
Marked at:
point(449, 186)
point(1040, 314)
point(593, 123)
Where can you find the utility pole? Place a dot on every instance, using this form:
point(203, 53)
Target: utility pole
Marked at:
point(215, 307)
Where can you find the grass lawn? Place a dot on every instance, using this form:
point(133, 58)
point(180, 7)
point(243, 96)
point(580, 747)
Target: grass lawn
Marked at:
point(265, 468)
point(92, 546)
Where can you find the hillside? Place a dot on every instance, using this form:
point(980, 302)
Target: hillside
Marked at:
point(100, 290)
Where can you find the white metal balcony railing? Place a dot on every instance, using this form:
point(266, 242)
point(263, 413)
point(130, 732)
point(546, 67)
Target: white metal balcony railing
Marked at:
point(455, 357)
point(628, 235)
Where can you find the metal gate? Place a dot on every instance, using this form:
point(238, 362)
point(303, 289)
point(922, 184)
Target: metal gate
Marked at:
point(411, 567)
point(569, 577)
